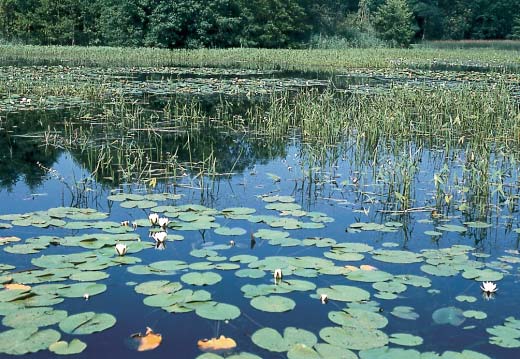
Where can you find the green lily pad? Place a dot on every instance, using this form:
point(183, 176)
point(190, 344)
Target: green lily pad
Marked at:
point(270, 339)
point(89, 276)
point(354, 317)
point(476, 314)
point(354, 337)
point(273, 303)
point(226, 231)
point(369, 276)
point(75, 346)
point(394, 353)
point(448, 315)
point(87, 323)
point(39, 317)
point(345, 293)
point(218, 311)
point(405, 339)
point(404, 312)
point(25, 340)
point(200, 279)
point(78, 290)
point(250, 273)
point(157, 287)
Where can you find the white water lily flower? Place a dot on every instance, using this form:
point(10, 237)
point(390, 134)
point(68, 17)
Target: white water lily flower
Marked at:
point(324, 298)
point(154, 218)
point(278, 274)
point(163, 222)
point(159, 236)
point(121, 249)
point(489, 287)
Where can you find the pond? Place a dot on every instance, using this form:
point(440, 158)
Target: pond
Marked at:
point(292, 239)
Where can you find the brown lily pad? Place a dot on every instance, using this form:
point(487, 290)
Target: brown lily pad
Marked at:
point(13, 286)
point(147, 341)
point(214, 344)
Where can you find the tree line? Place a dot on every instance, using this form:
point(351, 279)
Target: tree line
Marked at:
point(252, 23)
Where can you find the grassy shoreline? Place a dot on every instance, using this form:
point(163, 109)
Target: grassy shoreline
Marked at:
point(312, 60)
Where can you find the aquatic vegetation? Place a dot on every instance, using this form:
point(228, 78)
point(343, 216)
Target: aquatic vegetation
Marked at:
point(388, 194)
point(215, 344)
point(147, 341)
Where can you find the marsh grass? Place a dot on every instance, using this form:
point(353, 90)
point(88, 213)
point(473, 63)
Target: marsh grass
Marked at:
point(435, 116)
point(310, 60)
point(471, 44)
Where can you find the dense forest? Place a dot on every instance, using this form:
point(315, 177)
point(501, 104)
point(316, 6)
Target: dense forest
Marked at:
point(254, 23)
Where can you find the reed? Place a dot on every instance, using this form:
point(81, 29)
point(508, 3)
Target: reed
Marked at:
point(311, 60)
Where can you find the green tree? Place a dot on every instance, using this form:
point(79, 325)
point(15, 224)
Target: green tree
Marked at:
point(429, 18)
point(515, 29)
point(273, 23)
point(394, 22)
point(124, 22)
point(194, 23)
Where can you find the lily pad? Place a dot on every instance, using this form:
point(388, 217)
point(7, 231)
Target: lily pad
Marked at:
point(354, 337)
point(273, 303)
point(448, 315)
point(201, 279)
point(75, 346)
point(218, 311)
point(405, 339)
point(87, 323)
point(39, 317)
point(25, 340)
point(345, 293)
point(271, 340)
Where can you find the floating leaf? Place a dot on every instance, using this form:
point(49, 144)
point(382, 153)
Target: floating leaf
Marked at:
point(271, 340)
point(200, 279)
point(218, 311)
point(39, 317)
point(476, 314)
point(25, 340)
point(273, 303)
point(214, 344)
point(87, 323)
point(448, 315)
point(226, 231)
point(147, 341)
point(404, 312)
point(75, 346)
point(158, 287)
point(405, 339)
point(345, 293)
point(354, 337)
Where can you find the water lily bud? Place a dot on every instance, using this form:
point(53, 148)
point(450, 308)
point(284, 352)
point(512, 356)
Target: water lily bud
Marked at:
point(159, 237)
point(278, 273)
point(154, 218)
point(163, 222)
point(324, 298)
point(86, 296)
point(232, 243)
point(134, 225)
point(121, 249)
